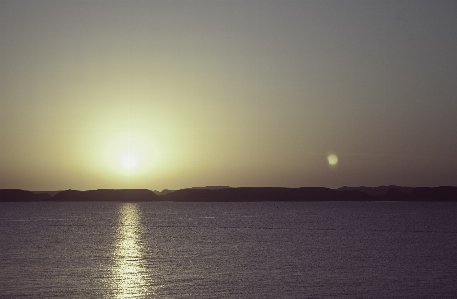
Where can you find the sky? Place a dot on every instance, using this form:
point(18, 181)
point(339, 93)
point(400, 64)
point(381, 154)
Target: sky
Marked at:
point(174, 94)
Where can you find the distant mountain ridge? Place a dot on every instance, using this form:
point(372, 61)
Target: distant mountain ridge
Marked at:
point(378, 191)
point(166, 191)
point(107, 195)
point(242, 194)
point(52, 193)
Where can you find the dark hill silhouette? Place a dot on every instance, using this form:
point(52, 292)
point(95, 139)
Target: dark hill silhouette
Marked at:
point(235, 195)
point(107, 195)
point(212, 187)
point(52, 193)
point(377, 191)
point(166, 191)
point(163, 192)
point(22, 195)
point(264, 194)
point(392, 194)
point(444, 193)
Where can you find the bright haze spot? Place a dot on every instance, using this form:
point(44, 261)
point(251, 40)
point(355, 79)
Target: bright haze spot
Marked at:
point(129, 161)
point(332, 159)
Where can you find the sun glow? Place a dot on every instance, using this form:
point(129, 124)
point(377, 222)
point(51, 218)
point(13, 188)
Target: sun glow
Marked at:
point(129, 161)
point(132, 152)
point(131, 158)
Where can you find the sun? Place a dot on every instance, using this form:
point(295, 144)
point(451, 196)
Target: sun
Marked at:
point(129, 161)
point(131, 153)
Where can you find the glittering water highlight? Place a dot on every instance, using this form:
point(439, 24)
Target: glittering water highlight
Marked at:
point(128, 271)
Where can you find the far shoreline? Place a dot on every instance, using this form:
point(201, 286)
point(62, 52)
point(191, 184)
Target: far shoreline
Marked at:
point(241, 194)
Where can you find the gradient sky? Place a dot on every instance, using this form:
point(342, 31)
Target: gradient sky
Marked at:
point(239, 93)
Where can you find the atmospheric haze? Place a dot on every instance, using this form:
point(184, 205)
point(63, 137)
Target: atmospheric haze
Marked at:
point(173, 94)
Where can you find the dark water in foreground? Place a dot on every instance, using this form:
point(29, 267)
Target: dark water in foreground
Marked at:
point(228, 250)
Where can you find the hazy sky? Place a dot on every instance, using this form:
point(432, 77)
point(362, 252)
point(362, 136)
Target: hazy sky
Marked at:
point(174, 94)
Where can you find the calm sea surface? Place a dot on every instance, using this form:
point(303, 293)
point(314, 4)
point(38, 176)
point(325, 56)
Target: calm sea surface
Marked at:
point(228, 250)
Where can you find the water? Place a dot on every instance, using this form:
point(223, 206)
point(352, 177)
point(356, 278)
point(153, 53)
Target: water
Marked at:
point(228, 250)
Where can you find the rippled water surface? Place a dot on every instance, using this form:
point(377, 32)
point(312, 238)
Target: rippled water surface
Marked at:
point(228, 250)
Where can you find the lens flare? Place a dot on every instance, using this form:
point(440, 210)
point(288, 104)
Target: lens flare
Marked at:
point(332, 159)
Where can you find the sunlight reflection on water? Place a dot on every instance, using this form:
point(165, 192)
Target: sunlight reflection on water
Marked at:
point(128, 270)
